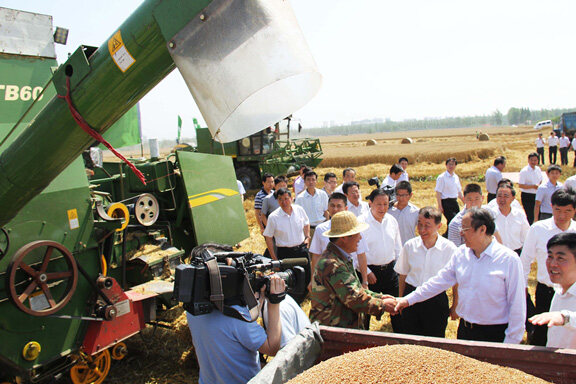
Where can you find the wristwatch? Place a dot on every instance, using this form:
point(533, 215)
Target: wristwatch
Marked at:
point(566, 315)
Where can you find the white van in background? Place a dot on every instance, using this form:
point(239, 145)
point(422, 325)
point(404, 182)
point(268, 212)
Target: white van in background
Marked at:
point(544, 124)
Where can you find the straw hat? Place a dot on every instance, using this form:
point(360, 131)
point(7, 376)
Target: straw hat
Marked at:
point(345, 224)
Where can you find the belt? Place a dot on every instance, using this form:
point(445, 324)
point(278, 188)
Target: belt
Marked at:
point(470, 325)
point(303, 245)
point(382, 266)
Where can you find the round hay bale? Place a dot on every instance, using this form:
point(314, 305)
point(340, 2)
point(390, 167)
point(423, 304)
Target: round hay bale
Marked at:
point(483, 137)
point(371, 142)
point(407, 140)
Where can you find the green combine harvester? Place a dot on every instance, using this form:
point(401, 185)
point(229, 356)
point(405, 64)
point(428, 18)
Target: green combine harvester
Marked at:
point(88, 248)
point(270, 150)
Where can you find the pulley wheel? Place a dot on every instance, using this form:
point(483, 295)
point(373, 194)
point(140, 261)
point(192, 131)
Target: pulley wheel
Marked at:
point(42, 278)
point(119, 351)
point(146, 209)
point(91, 369)
point(119, 210)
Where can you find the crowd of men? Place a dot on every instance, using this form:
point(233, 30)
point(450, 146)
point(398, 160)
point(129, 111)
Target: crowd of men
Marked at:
point(383, 254)
point(556, 144)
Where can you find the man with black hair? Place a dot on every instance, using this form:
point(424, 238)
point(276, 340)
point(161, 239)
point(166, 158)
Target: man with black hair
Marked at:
point(535, 249)
point(448, 190)
point(289, 227)
point(405, 213)
point(540, 143)
point(355, 204)
point(542, 204)
point(384, 246)
point(330, 183)
point(403, 161)
point(421, 258)
point(394, 175)
point(493, 176)
point(552, 147)
point(313, 200)
point(564, 146)
point(491, 301)
point(511, 222)
point(270, 203)
point(530, 179)
point(227, 348)
point(472, 198)
point(267, 188)
point(348, 175)
point(299, 182)
point(561, 265)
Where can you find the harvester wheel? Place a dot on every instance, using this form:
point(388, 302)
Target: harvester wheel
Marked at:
point(249, 177)
point(91, 369)
point(38, 270)
point(119, 351)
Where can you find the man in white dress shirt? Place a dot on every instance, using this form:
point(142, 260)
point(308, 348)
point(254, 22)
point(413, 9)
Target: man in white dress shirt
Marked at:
point(393, 176)
point(574, 149)
point(290, 228)
point(299, 182)
point(405, 213)
point(561, 265)
point(542, 205)
point(313, 200)
point(564, 146)
point(403, 161)
point(530, 179)
point(355, 204)
point(448, 190)
point(337, 203)
point(493, 176)
point(540, 143)
point(384, 246)
point(552, 147)
point(348, 175)
point(491, 300)
point(421, 258)
point(511, 222)
point(535, 248)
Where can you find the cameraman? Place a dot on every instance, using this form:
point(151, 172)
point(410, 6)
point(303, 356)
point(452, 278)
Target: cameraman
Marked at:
point(227, 348)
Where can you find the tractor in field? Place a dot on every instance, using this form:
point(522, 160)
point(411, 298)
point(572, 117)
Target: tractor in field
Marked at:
point(88, 248)
point(270, 150)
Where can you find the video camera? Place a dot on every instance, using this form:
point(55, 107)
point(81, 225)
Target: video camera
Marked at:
point(239, 274)
point(389, 190)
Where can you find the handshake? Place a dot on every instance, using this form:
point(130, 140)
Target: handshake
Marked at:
point(394, 305)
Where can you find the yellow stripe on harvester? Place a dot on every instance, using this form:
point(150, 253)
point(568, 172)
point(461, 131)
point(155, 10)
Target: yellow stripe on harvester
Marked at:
point(210, 196)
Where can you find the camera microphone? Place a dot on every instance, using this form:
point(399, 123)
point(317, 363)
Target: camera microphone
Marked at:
point(291, 263)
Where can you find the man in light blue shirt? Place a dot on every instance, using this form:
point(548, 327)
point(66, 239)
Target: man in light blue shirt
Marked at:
point(227, 348)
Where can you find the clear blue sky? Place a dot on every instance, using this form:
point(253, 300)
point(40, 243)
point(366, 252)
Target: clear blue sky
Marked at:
point(387, 59)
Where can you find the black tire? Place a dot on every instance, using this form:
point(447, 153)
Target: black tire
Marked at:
point(250, 177)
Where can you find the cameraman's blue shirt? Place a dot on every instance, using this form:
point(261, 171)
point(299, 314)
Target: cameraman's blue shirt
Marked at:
point(226, 348)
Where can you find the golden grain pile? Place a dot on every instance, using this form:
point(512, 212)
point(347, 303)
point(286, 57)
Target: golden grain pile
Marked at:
point(410, 364)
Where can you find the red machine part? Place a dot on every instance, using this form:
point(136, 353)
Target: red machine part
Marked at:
point(132, 311)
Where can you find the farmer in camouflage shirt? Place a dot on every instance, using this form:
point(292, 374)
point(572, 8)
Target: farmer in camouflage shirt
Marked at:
point(338, 298)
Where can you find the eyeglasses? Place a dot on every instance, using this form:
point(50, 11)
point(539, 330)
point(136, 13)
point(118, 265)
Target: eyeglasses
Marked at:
point(463, 230)
point(402, 195)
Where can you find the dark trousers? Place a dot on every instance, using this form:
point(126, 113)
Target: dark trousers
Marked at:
point(491, 196)
point(295, 252)
point(540, 152)
point(552, 154)
point(387, 283)
point(564, 156)
point(451, 209)
point(468, 331)
point(428, 318)
point(528, 200)
point(543, 300)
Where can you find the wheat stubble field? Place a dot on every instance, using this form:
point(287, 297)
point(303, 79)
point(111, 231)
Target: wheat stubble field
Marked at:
point(164, 354)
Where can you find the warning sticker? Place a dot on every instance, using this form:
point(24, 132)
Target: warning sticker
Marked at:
point(38, 302)
point(73, 218)
point(119, 53)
